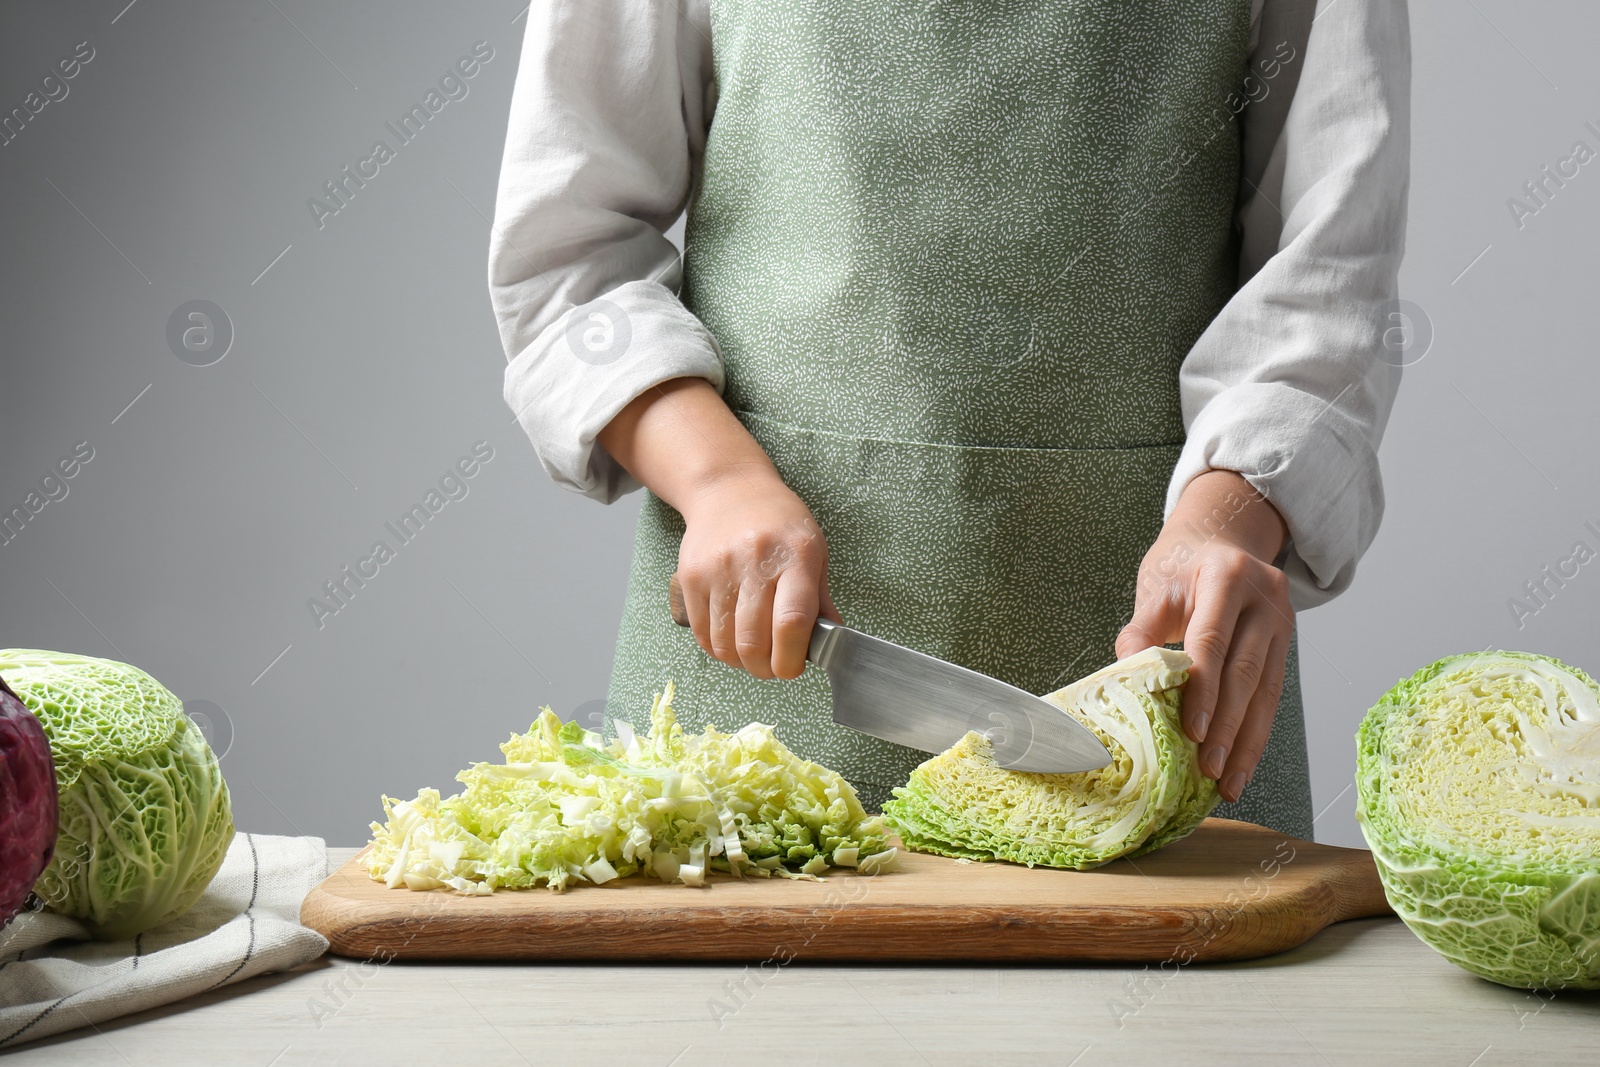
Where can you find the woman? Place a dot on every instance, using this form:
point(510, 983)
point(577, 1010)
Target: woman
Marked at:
point(1025, 334)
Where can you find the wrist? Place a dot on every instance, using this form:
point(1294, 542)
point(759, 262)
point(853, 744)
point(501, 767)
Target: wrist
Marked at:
point(1222, 505)
point(720, 484)
point(680, 439)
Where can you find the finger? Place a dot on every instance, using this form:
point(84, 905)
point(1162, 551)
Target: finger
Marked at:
point(724, 605)
point(814, 560)
point(753, 626)
point(697, 605)
point(1246, 667)
point(795, 603)
point(1251, 740)
point(826, 607)
point(1206, 639)
point(1158, 611)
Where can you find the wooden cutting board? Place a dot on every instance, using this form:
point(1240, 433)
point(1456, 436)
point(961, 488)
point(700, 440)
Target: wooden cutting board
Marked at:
point(1229, 891)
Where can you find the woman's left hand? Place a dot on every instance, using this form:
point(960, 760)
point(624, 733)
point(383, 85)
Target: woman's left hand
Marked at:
point(1209, 582)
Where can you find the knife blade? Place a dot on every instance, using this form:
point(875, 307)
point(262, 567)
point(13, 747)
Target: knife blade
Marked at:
point(910, 698)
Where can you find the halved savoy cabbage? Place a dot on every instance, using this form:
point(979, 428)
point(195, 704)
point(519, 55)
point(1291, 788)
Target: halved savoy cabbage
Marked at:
point(961, 804)
point(1479, 793)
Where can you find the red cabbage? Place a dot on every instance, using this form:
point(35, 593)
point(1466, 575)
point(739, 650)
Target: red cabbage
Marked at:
point(28, 811)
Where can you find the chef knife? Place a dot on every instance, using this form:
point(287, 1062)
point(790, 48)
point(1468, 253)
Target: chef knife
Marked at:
point(912, 699)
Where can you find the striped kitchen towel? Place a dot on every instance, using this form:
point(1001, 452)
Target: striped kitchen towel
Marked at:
point(54, 978)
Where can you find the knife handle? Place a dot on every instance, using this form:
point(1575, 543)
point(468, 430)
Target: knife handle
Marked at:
point(680, 613)
point(822, 635)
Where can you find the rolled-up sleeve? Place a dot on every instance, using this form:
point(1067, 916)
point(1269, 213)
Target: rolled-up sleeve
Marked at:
point(607, 128)
point(1292, 383)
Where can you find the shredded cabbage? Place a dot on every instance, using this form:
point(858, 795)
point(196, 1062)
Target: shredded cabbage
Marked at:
point(962, 804)
point(567, 808)
point(1479, 793)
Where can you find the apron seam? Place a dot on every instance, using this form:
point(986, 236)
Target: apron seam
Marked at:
point(742, 413)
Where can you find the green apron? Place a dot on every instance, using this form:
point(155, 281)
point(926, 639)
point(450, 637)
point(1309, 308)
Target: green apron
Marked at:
point(954, 253)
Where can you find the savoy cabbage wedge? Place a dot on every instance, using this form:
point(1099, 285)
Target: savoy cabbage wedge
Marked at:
point(1479, 794)
point(145, 817)
point(567, 808)
point(962, 804)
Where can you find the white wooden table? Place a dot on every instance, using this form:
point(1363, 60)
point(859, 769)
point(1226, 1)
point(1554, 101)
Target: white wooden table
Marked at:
point(1362, 993)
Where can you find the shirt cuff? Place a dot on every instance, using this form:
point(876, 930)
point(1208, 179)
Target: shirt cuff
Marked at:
point(1310, 461)
point(589, 364)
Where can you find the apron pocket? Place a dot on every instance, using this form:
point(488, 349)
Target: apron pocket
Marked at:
point(1017, 562)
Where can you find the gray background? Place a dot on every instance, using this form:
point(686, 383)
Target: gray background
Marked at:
point(366, 362)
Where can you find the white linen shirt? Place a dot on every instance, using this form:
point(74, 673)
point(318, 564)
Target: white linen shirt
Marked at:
point(1290, 385)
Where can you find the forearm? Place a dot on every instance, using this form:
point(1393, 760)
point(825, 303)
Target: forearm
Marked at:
point(607, 121)
point(680, 439)
point(1293, 380)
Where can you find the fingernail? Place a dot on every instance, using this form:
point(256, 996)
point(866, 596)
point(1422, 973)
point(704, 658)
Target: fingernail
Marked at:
point(1235, 784)
point(1211, 761)
point(1201, 723)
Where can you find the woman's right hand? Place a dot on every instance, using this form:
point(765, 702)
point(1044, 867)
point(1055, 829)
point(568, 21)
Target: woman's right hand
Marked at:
point(753, 568)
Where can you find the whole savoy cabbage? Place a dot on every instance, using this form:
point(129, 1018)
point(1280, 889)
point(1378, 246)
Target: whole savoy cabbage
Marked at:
point(144, 813)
